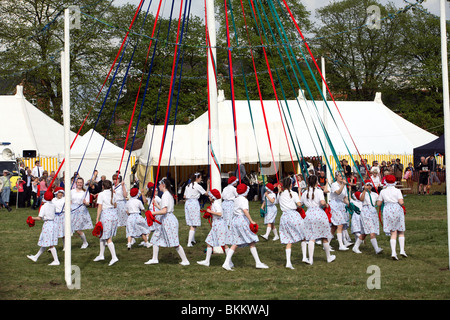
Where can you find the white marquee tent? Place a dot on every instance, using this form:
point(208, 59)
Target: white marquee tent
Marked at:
point(375, 129)
point(27, 128)
point(85, 157)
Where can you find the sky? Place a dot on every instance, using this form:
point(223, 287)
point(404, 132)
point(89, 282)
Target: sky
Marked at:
point(311, 5)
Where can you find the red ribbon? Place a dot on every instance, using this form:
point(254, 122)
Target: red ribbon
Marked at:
point(207, 215)
point(328, 212)
point(302, 212)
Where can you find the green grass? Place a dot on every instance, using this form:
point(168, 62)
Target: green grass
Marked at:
point(423, 275)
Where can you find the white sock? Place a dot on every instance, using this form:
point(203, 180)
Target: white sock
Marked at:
point(326, 246)
point(339, 237)
point(181, 253)
point(112, 249)
point(228, 257)
point(268, 231)
point(304, 249)
point(311, 245)
point(374, 243)
point(401, 242)
point(393, 245)
point(102, 248)
point(54, 254)
point(83, 237)
point(208, 254)
point(38, 254)
point(191, 237)
point(357, 244)
point(275, 232)
point(255, 255)
point(155, 252)
point(288, 257)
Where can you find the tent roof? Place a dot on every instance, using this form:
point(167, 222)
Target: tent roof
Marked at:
point(435, 146)
point(28, 128)
point(374, 128)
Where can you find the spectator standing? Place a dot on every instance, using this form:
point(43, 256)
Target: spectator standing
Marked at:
point(409, 172)
point(28, 180)
point(6, 189)
point(424, 172)
point(432, 164)
point(37, 170)
point(398, 170)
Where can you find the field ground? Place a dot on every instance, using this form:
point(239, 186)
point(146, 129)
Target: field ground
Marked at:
point(424, 275)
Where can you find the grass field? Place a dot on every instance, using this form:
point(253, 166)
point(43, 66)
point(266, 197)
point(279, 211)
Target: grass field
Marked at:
point(423, 275)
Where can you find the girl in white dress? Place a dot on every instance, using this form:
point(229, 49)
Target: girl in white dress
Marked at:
point(241, 233)
point(137, 226)
point(48, 237)
point(269, 202)
point(393, 215)
point(316, 222)
point(192, 193)
point(338, 201)
point(291, 223)
point(368, 218)
point(228, 195)
point(59, 201)
point(107, 215)
point(219, 234)
point(151, 203)
point(80, 216)
point(120, 191)
point(166, 235)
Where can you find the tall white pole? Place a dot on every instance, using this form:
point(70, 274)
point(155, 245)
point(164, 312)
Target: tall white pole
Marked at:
point(65, 61)
point(215, 142)
point(325, 120)
point(446, 110)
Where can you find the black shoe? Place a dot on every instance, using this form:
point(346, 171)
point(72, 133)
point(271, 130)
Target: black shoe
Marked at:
point(9, 209)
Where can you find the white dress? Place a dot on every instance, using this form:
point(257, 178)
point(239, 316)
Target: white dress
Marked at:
point(291, 223)
point(219, 235)
point(80, 216)
point(59, 216)
point(166, 235)
point(136, 224)
point(240, 225)
point(121, 205)
point(339, 215)
point(49, 235)
point(229, 193)
point(369, 215)
point(271, 208)
point(393, 215)
point(316, 221)
point(192, 193)
point(108, 216)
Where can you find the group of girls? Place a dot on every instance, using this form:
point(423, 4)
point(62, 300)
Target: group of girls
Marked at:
point(232, 225)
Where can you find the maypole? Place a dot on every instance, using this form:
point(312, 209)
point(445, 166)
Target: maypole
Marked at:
point(215, 178)
point(445, 88)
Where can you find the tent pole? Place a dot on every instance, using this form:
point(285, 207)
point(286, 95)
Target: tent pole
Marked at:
point(215, 177)
point(446, 110)
point(65, 70)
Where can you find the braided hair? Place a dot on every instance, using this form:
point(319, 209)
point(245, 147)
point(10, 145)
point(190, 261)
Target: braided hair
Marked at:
point(312, 182)
point(287, 184)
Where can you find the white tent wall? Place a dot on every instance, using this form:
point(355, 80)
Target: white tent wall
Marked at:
point(92, 151)
point(375, 129)
point(28, 128)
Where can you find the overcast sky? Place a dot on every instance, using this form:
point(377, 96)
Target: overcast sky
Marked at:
point(311, 5)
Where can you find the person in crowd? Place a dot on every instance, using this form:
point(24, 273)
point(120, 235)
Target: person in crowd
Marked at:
point(398, 170)
point(28, 187)
point(37, 169)
point(424, 173)
point(409, 173)
point(433, 165)
point(6, 186)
